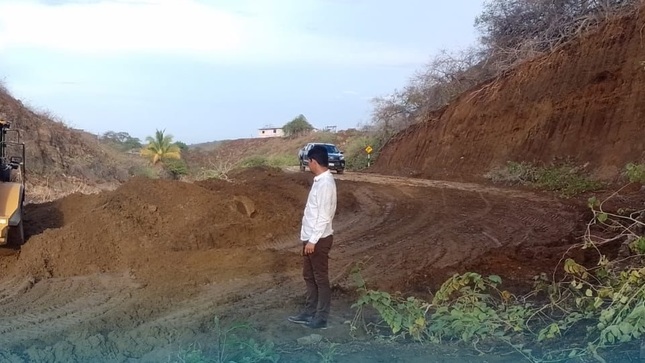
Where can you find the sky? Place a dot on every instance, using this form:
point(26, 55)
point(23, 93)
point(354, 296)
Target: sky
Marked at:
point(208, 70)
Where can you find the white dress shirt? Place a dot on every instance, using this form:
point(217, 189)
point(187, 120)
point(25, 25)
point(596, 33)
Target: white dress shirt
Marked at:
point(320, 209)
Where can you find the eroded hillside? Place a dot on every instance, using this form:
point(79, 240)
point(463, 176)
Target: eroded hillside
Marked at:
point(583, 102)
point(57, 154)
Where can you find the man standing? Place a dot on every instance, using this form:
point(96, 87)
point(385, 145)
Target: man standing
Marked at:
point(316, 235)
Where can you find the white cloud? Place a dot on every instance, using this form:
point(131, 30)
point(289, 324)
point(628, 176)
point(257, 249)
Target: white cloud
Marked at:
point(246, 31)
point(117, 27)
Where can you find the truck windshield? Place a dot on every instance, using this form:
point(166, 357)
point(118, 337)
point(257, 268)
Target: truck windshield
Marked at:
point(331, 149)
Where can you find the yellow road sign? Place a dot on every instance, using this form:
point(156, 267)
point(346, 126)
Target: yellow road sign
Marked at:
point(368, 149)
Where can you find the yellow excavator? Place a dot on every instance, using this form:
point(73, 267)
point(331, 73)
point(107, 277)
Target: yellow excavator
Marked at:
point(12, 187)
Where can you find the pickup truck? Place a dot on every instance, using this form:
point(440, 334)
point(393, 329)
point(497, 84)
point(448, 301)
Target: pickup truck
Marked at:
point(336, 157)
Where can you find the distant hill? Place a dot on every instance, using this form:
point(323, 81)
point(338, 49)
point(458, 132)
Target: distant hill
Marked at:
point(206, 145)
point(280, 150)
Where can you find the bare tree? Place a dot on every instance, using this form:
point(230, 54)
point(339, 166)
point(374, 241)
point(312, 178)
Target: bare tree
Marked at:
point(516, 30)
point(446, 76)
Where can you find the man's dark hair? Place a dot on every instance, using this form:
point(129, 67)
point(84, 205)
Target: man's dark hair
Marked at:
point(319, 153)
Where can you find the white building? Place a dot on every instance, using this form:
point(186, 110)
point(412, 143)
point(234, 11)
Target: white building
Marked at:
point(270, 132)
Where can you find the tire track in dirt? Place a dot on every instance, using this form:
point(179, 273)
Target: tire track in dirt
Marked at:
point(32, 311)
point(445, 223)
point(401, 227)
point(442, 184)
point(417, 241)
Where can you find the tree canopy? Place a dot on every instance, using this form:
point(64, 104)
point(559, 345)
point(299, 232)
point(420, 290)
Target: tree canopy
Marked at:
point(160, 147)
point(299, 125)
point(121, 140)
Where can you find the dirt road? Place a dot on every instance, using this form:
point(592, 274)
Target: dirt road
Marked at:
point(140, 273)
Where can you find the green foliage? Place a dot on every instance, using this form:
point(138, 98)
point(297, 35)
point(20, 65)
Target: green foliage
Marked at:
point(229, 347)
point(160, 148)
point(592, 307)
point(328, 355)
point(404, 316)
point(277, 161)
point(121, 141)
point(181, 145)
point(466, 308)
point(565, 179)
point(638, 245)
point(298, 126)
point(463, 308)
point(635, 172)
point(355, 155)
point(176, 167)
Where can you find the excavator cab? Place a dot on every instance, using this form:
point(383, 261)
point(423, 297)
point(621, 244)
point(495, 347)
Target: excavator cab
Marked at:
point(12, 186)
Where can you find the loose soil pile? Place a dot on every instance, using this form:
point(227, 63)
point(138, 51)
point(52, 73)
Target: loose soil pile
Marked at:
point(145, 225)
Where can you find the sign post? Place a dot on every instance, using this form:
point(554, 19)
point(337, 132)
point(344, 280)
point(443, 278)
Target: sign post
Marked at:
point(368, 150)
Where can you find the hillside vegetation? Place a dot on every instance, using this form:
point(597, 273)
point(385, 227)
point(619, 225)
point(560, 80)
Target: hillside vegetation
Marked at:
point(59, 159)
point(218, 159)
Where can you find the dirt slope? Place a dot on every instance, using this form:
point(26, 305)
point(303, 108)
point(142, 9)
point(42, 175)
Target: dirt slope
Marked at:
point(584, 101)
point(56, 151)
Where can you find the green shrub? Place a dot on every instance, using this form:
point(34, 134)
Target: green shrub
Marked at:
point(230, 346)
point(355, 155)
point(278, 161)
point(176, 167)
point(635, 172)
point(566, 179)
point(255, 161)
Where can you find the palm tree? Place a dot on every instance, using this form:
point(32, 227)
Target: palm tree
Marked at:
point(160, 147)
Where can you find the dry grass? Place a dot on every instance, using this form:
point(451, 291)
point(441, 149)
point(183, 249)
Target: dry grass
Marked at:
point(45, 191)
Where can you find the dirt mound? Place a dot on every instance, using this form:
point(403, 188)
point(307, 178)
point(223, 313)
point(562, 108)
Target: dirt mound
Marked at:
point(583, 101)
point(145, 225)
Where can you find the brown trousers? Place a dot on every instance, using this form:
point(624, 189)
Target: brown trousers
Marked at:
point(315, 270)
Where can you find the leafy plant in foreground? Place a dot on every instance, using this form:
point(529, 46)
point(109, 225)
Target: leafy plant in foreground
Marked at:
point(592, 308)
point(229, 347)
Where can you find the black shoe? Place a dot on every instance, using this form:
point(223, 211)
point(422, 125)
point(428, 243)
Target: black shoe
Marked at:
point(317, 324)
point(300, 318)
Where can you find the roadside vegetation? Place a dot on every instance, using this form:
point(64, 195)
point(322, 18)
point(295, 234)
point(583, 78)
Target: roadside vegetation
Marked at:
point(564, 178)
point(229, 346)
point(635, 173)
point(575, 311)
